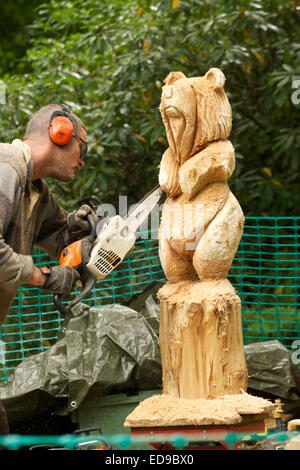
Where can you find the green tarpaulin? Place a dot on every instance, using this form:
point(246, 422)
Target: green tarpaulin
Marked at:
point(102, 351)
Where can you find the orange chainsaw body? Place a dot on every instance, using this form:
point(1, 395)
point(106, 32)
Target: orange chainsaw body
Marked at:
point(71, 255)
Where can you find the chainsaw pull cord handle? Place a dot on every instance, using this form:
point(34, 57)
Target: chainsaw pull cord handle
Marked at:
point(87, 279)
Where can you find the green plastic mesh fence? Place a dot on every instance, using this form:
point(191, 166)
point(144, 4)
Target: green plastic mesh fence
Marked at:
point(226, 439)
point(265, 273)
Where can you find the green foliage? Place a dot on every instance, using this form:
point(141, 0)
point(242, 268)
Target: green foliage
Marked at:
point(108, 59)
point(14, 35)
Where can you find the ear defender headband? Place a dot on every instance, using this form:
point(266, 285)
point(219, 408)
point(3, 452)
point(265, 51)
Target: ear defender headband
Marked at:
point(62, 126)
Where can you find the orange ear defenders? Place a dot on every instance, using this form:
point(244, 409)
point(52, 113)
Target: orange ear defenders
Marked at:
point(62, 126)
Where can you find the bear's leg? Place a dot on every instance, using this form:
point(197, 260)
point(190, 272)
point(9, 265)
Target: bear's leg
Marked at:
point(175, 267)
point(216, 249)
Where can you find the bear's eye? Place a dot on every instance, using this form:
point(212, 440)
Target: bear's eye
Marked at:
point(172, 112)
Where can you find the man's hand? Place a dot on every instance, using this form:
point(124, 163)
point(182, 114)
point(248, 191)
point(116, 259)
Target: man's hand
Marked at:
point(78, 223)
point(61, 280)
point(39, 275)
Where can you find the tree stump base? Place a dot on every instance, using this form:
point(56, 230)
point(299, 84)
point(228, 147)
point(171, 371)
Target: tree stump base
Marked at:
point(201, 340)
point(203, 361)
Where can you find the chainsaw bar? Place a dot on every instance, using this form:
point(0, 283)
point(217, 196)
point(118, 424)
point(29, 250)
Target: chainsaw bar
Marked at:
point(143, 208)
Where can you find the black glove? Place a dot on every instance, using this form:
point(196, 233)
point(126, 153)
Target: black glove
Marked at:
point(61, 280)
point(78, 223)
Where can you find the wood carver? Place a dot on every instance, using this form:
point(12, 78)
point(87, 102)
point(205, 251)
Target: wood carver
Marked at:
point(201, 340)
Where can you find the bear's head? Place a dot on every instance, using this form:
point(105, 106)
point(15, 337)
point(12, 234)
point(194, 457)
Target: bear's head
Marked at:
point(195, 111)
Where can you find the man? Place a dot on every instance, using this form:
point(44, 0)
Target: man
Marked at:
point(54, 146)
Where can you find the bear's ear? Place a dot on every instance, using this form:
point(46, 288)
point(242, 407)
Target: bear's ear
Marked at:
point(216, 77)
point(172, 77)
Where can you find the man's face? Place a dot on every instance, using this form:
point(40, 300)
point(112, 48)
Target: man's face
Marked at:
point(70, 159)
point(81, 138)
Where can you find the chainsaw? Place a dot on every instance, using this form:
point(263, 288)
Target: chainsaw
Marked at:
point(110, 240)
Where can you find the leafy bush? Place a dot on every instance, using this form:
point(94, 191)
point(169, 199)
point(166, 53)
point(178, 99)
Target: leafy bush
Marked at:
point(107, 60)
point(14, 35)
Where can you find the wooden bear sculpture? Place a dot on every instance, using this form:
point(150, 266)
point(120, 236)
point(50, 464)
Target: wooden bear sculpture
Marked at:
point(202, 223)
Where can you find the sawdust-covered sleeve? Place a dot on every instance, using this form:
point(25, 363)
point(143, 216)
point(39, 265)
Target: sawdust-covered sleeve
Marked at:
point(14, 267)
point(53, 234)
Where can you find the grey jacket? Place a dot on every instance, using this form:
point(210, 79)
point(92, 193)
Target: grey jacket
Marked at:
point(29, 215)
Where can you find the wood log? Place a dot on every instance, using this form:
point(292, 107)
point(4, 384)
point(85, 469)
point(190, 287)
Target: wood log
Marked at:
point(201, 340)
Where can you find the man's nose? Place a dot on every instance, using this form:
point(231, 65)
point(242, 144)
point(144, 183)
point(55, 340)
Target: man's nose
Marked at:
point(81, 162)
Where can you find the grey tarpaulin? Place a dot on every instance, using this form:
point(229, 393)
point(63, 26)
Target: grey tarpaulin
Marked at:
point(104, 350)
point(271, 370)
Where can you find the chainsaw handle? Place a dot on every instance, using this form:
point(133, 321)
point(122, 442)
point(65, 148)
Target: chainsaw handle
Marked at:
point(87, 279)
point(93, 224)
point(58, 304)
point(88, 282)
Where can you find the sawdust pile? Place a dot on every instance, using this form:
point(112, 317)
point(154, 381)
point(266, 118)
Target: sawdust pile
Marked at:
point(165, 410)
